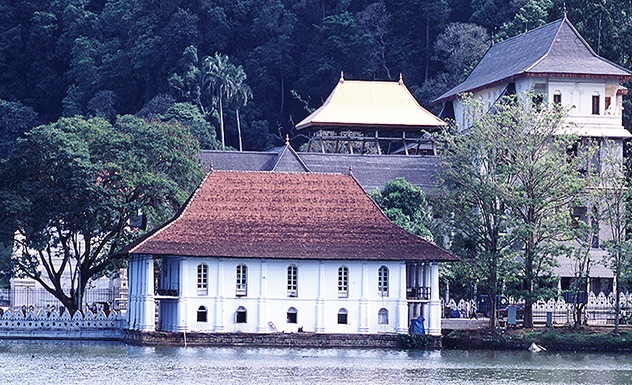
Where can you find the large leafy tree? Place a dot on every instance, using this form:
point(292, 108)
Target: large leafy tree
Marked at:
point(515, 183)
point(71, 188)
point(473, 175)
point(535, 145)
point(615, 197)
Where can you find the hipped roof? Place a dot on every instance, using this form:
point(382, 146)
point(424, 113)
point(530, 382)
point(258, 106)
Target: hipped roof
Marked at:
point(370, 104)
point(553, 49)
point(279, 215)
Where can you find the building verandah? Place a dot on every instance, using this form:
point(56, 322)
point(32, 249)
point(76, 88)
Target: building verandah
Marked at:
point(171, 294)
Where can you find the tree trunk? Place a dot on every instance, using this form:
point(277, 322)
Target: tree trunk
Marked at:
point(427, 46)
point(528, 314)
point(221, 122)
point(617, 305)
point(238, 129)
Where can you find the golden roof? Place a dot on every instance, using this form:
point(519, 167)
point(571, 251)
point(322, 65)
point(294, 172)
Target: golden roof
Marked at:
point(371, 104)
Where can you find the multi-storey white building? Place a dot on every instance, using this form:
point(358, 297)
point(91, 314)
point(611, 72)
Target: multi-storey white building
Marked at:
point(557, 65)
point(283, 251)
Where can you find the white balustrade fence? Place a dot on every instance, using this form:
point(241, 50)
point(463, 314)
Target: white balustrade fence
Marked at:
point(599, 310)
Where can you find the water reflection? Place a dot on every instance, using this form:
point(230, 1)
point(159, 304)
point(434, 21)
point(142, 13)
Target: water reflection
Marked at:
point(68, 362)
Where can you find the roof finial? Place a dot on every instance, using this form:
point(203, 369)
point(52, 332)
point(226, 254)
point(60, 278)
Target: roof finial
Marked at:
point(350, 169)
point(564, 9)
point(401, 80)
point(342, 76)
point(211, 166)
point(287, 139)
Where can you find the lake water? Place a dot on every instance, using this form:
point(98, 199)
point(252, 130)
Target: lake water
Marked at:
point(64, 362)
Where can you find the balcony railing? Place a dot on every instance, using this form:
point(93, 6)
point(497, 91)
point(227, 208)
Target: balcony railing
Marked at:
point(167, 292)
point(418, 293)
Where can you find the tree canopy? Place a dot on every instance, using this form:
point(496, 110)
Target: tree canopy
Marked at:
point(71, 187)
point(110, 57)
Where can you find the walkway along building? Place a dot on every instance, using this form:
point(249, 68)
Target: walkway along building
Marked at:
point(260, 252)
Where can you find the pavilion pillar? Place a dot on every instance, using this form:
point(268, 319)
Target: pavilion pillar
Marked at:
point(364, 321)
point(182, 321)
point(403, 309)
point(320, 301)
point(219, 298)
point(147, 308)
point(262, 325)
point(424, 283)
point(133, 293)
point(434, 326)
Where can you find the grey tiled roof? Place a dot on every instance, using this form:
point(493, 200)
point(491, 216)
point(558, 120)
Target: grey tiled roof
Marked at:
point(289, 161)
point(371, 171)
point(554, 48)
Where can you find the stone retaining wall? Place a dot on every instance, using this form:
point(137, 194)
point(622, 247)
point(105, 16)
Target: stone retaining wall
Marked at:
point(295, 340)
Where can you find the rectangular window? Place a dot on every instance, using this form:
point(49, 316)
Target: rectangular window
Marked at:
point(242, 281)
point(202, 279)
point(557, 99)
point(382, 281)
point(292, 281)
point(343, 282)
point(595, 104)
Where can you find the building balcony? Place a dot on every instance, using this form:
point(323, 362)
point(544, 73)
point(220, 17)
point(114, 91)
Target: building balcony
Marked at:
point(418, 293)
point(166, 293)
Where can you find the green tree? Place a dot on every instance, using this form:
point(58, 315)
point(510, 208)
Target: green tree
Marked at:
point(15, 119)
point(545, 182)
point(615, 197)
point(225, 81)
point(514, 184)
point(72, 186)
point(405, 205)
point(189, 115)
point(473, 176)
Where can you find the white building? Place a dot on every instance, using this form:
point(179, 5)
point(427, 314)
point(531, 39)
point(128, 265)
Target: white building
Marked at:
point(260, 252)
point(555, 63)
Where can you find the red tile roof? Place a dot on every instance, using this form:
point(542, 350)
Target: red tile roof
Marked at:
point(285, 215)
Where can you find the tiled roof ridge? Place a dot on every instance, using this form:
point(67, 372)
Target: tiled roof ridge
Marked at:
point(178, 216)
point(276, 172)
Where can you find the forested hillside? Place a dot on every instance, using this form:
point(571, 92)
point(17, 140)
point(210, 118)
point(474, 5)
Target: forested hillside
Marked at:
point(110, 57)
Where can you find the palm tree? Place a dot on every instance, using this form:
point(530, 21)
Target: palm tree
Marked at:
point(218, 78)
point(241, 96)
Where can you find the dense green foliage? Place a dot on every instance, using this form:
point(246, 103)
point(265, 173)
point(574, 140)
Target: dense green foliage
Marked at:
point(510, 184)
point(71, 188)
point(405, 205)
point(111, 57)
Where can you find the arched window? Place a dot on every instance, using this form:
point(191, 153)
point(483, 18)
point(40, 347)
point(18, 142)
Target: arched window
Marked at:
point(240, 315)
point(292, 281)
point(342, 316)
point(382, 281)
point(343, 282)
point(242, 280)
point(202, 314)
point(557, 97)
point(292, 315)
point(202, 279)
point(382, 317)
